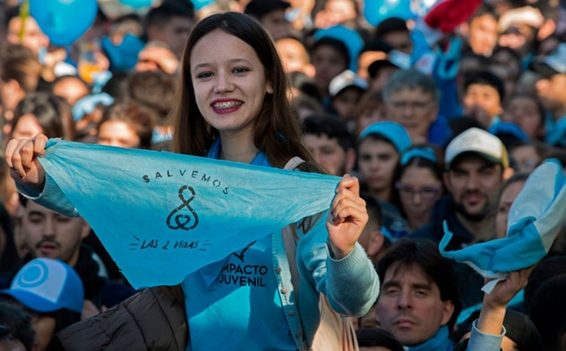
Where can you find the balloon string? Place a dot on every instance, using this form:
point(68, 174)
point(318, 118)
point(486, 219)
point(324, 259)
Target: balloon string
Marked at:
point(24, 14)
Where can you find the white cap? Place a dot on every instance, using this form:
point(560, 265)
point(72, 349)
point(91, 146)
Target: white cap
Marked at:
point(344, 80)
point(477, 141)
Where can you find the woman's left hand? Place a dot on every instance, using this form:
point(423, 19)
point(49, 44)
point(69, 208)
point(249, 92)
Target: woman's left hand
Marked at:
point(348, 217)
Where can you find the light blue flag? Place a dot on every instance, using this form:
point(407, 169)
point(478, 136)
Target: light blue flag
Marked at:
point(162, 215)
point(535, 220)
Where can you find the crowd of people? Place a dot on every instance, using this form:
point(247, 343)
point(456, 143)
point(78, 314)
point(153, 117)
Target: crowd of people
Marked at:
point(433, 113)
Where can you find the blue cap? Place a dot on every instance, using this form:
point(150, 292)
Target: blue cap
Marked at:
point(392, 131)
point(425, 152)
point(349, 37)
point(501, 127)
point(47, 285)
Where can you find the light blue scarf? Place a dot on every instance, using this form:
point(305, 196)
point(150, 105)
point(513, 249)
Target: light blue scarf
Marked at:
point(162, 215)
point(535, 220)
point(439, 342)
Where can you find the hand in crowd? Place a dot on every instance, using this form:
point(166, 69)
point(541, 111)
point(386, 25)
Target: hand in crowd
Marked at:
point(348, 217)
point(21, 157)
point(494, 304)
point(506, 289)
point(155, 57)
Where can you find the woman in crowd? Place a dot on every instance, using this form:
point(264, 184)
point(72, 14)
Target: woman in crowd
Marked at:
point(419, 184)
point(127, 124)
point(233, 106)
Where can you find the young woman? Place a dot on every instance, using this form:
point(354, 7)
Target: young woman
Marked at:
point(233, 107)
point(127, 124)
point(419, 184)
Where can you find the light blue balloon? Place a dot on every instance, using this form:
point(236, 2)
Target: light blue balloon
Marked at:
point(137, 4)
point(63, 21)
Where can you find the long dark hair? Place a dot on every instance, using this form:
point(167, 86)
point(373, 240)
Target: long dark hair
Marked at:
point(276, 130)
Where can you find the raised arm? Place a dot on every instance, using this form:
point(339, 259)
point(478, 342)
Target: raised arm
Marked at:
point(488, 330)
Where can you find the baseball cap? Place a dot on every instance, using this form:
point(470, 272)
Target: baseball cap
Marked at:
point(47, 285)
point(260, 8)
point(345, 80)
point(478, 141)
point(350, 37)
point(391, 131)
point(523, 15)
point(554, 63)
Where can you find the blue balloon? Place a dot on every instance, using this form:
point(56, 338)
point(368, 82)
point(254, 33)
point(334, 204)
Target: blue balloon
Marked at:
point(138, 4)
point(63, 21)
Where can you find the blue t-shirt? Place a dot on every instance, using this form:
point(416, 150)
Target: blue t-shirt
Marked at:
point(234, 304)
point(228, 301)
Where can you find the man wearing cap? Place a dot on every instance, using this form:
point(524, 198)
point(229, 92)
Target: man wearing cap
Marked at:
point(170, 24)
point(52, 293)
point(51, 235)
point(475, 164)
point(550, 89)
point(271, 15)
point(346, 90)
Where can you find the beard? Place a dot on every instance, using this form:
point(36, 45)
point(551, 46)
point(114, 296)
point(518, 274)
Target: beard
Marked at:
point(473, 217)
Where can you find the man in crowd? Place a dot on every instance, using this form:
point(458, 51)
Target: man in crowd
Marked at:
point(271, 15)
point(418, 302)
point(52, 235)
point(170, 24)
point(330, 143)
point(550, 89)
point(476, 162)
point(483, 97)
point(411, 99)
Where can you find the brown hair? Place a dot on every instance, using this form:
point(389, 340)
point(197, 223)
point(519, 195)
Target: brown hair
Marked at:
point(153, 89)
point(20, 64)
point(276, 131)
point(139, 118)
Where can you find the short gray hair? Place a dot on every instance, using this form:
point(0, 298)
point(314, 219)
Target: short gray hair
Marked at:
point(410, 79)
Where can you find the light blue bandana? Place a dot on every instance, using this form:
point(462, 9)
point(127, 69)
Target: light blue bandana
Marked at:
point(439, 342)
point(535, 219)
point(162, 215)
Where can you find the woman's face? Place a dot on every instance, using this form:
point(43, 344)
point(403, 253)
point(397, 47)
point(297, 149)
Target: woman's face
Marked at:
point(418, 190)
point(505, 202)
point(524, 111)
point(229, 83)
point(525, 158)
point(377, 161)
point(27, 127)
point(118, 133)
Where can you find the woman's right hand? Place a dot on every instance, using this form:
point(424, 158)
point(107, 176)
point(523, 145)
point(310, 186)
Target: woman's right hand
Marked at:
point(21, 157)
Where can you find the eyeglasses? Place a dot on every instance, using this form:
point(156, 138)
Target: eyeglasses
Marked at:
point(426, 192)
point(414, 105)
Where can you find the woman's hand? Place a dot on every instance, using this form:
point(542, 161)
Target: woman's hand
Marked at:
point(348, 217)
point(21, 157)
